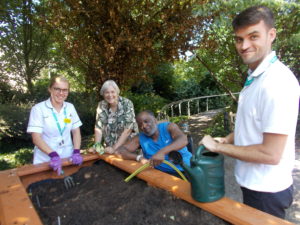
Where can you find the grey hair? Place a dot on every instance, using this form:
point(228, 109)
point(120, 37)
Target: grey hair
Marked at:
point(109, 83)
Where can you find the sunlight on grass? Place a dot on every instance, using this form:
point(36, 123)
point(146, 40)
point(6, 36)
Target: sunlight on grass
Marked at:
point(15, 159)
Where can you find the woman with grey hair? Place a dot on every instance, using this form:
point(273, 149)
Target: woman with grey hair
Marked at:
point(115, 118)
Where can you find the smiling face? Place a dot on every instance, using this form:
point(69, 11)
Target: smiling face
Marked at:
point(110, 95)
point(59, 92)
point(147, 123)
point(254, 43)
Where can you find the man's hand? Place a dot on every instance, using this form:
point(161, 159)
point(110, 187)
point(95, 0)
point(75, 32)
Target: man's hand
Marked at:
point(210, 143)
point(221, 140)
point(157, 159)
point(144, 160)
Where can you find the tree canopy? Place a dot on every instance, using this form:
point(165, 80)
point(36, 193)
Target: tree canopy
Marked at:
point(216, 50)
point(121, 39)
point(24, 44)
point(128, 41)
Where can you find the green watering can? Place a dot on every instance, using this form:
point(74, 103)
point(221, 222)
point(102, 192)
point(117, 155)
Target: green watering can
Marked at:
point(206, 174)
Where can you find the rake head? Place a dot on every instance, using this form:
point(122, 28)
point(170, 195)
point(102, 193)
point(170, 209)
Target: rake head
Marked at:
point(69, 182)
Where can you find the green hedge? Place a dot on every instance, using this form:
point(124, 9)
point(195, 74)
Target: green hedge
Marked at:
point(20, 157)
point(148, 101)
point(14, 118)
point(14, 121)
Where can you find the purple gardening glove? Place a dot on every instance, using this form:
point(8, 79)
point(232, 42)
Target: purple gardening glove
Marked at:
point(76, 158)
point(55, 162)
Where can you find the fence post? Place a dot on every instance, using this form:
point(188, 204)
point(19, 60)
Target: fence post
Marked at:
point(179, 109)
point(206, 104)
point(171, 105)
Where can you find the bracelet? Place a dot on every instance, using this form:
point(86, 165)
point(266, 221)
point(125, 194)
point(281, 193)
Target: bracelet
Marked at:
point(138, 158)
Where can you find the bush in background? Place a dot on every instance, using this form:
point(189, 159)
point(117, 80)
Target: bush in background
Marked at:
point(16, 159)
point(148, 101)
point(14, 121)
point(85, 105)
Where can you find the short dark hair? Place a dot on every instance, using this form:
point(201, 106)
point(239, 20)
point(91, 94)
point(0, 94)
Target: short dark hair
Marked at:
point(252, 16)
point(146, 111)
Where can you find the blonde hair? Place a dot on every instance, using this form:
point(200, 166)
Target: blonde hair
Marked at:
point(109, 83)
point(58, 79)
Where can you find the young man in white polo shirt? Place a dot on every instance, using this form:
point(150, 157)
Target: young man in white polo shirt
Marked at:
point(263, 141)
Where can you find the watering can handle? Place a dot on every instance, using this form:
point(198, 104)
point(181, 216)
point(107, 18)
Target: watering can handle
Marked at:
point(199, 150)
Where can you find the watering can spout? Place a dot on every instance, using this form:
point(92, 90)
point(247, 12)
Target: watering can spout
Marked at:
point(193, 172)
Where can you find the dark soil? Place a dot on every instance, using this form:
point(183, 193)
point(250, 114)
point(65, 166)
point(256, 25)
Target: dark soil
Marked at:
point(101, 196)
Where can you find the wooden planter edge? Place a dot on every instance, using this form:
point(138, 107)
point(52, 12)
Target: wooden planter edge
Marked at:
point(16, 206)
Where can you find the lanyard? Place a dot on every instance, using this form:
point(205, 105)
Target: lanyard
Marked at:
point(250, 80)
point(61, 131)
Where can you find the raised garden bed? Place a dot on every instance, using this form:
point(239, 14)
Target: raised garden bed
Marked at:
point(100, 196)
point(16, 206)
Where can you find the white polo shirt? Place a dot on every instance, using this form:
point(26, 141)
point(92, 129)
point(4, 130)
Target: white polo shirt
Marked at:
point(268, 105)
point(42, 120)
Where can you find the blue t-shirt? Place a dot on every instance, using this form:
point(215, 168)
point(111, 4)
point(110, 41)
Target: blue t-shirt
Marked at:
point(151, 147)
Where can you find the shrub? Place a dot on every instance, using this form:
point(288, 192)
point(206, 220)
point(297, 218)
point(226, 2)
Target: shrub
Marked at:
point(13, 121)
point(16, 159)
point(85, 105)
point(148, 101)
point(23, 156)
point(4, 165)
point(216, 127)
point(179, 119)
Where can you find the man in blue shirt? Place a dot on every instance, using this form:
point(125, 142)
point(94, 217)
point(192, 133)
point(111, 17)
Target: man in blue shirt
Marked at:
point(157, 141)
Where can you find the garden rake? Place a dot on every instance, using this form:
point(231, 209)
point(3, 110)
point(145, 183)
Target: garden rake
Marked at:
point(69, 182)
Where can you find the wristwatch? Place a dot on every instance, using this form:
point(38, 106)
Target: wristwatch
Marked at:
point(138, 158)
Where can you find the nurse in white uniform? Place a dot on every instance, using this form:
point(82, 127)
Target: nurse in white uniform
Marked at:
point(51, 124)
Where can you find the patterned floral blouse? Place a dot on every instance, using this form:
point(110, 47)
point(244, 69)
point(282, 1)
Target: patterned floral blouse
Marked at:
point(113, 124)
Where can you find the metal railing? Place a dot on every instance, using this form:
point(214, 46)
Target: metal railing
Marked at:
point(194, 105)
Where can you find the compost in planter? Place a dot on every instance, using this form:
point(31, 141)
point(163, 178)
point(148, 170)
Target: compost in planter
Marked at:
point(101, 196)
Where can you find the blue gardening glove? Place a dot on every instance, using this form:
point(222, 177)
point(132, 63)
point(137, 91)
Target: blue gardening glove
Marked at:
point(55, 162)
point(76, 158)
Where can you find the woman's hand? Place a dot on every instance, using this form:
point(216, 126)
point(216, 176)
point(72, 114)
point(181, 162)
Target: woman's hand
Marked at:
point(91, 150)
point(110, 150)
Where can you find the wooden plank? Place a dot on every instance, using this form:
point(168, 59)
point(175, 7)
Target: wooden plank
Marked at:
point(15, 205)
point(32, 173)
point(225, 208)
point(37, 168)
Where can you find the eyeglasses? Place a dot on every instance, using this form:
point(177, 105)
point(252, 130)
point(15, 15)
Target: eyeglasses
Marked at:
point(59, 90)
